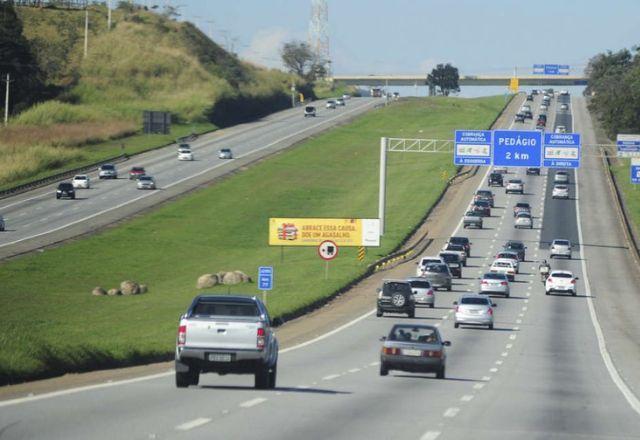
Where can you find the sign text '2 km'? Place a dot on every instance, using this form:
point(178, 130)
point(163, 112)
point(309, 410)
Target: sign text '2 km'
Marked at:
point(513, 148)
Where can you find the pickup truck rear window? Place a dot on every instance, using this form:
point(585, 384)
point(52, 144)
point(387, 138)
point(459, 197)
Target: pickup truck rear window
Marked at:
point(207, 308)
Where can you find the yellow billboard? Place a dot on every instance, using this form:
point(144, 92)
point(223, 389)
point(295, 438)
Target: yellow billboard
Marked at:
point(514, 85)
point(313, 231)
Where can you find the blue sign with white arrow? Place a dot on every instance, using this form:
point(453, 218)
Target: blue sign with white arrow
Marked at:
point(265, 277)
point(513, 148)
point(472, 147)
point(561, 150)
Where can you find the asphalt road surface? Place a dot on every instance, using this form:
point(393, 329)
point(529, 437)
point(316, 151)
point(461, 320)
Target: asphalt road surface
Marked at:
point(541, 373)
point(36, 218)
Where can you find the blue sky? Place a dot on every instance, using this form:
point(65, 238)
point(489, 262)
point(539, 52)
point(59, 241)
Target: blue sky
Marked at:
point(411, 36)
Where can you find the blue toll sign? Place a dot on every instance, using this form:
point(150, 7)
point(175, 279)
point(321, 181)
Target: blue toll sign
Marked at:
point(513, 148)
point(472, 147)
point(635, 171)
point(561, 150)
point(265, 278)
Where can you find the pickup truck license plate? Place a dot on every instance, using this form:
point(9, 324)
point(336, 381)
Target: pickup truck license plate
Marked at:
point(219, 357)
point(412, 352)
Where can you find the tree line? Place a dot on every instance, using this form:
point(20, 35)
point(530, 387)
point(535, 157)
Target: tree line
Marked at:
point(614, 90)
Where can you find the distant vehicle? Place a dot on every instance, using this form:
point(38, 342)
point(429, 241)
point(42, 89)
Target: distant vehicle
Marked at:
point(482, 207)
point(561, 177)
point(414, 348)
point(423, 293)
point(535, 91)
point(396, 95)
point(452, 259)
point(525, 108)
point(424, 261)
point(523, 220)
point(516, 246)
point(540, 128)
point(519, 117)
point(505, 267)
point(509, 255)
point(495, 179)
point(521, 207)
point(533, 170)
point(484, 194)
point(376, 92)
point(340, 101)
point(457, 249)
point(561, 281)
point(331, 104)
point(438, 275)
point(146, 182)
point(136, 172)
point(473, 309)
point(107, 171)
point(564, 107)
point(464, 241)
point(500, 170)
point(242, 343)
point(514, 186)
point(560, 248)
point(542, 117)
point(396, 297)
point(544, 107)
point(560, 192)
point(529, 97)
point(528, 114)
point(561, 129)
point(2, 224)
point(65, 190)
point(185, 154)
point(346, 96)
point(472, 219)
point(310, 111)
point(225, 153)
point(564, 92)
point(81, 181)
point(495, 283)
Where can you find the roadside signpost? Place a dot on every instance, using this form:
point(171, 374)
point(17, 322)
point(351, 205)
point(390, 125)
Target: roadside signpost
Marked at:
point(472, 147)
point(514, 148)
point(328, 250)
point(628, 145)
point(561, 150)
point(635, 171)
point(265, 280)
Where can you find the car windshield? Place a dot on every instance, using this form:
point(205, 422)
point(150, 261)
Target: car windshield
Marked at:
point(80, 178)
point(137, 170)
point(455, 247)
point(65, 186)
point(414, 334)
point(144, 178)
point(561, 242)
point(561, 275)
point(561, 173)
point(523, 215)
point(515, 181)
point(218, 308)
point(470, 214)
point(437, 268)
point(561, 187)
point(514, 245)
point(184, 150)
point(494, 276)
point(396, 287)
point(225, 150)
point(107, 167)
point(482, 203)
point(450, 258)
point(420, 284)
point(475, 301)
point(507, 255)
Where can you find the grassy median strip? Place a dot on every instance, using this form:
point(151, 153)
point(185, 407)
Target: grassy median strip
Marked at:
point(51, 324)
point(630, 192)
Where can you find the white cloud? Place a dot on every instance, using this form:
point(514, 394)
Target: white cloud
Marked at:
point(265, 46)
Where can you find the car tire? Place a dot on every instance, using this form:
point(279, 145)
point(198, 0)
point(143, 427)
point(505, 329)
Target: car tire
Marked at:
point(411, 313)
point(273, 374)
point(490, 326)
point(384, 371)
point(507, 295)
point(440, 373)
point(546, 292)
point(379, 313)
point(449, 288)
point(431, 306)
point(456, 325)
point(398, 300)
point(261, 377)
point(183, 380)
point(574, 293)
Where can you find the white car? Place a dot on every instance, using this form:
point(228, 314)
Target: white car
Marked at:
point(544, 107)
point(81, 181)
point(514, 186)
point(560, 192)
point(424, 261)
point(331, 104)
point(146, 182)
point(561, 177)
point(225, 153)
point(523, 220)
point(561, 129)
point(346, 96)
point(500, 170)
point(107, 171)
point(560, 248)
point(185, 154)
point(561, 281)
point(505, 267)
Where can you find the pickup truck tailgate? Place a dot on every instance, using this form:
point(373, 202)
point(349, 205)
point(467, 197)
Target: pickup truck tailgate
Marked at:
point(232, 334)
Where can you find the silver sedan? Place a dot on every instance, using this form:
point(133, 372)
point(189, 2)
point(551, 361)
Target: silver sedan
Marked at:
point(414, 348)
point(495, 283)
point(523, 220)
point(472, 309)
point(423, 293)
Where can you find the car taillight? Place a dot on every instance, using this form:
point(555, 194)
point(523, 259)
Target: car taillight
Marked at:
point(490, 311)
point(261, 338)
point(390, 350)
point(182, 334)
point(573, 281)
point(484, 282)
point(432, 353)
point(549, 279)
point(503, 283)
point(429, 292)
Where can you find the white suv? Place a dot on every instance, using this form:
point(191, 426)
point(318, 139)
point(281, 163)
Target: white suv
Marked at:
point(560, 248)
point(424, 261)
point(561, 281)
point(515, 185)
point(107, 171)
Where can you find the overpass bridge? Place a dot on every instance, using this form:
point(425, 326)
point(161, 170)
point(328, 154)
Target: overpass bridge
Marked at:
point(466, 80)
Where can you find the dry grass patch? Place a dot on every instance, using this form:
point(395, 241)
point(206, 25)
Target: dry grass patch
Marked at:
point(64, 135)
point(19, 162)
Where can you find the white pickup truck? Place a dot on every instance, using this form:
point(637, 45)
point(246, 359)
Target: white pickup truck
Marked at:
point(226, 335)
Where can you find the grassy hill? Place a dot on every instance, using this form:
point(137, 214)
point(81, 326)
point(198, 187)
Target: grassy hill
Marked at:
point(146, 61)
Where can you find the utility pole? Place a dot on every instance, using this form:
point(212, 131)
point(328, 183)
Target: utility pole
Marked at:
point(86, 32)
point(108, 15)
point(6, 100)
point(293, 93)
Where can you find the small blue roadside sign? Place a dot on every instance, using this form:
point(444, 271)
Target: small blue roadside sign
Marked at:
point(472, 147)
point(635, 171)
point(561, 150)
point(628, 145)
point(265, 277)
point(512, 148)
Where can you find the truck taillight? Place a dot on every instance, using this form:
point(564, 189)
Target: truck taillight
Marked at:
point(260, 339)
point(182, 334)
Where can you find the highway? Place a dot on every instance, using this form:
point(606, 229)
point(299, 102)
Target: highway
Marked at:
point(36, 219)
point(543, 372)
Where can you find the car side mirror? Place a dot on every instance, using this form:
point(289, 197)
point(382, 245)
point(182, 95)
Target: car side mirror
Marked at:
point(415, 292)
point(455, 303)
point(447, 343)
point(383, 338)
point(577, 278)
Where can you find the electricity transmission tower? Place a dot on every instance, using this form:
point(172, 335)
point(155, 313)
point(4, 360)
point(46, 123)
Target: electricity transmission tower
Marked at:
point(319, 31)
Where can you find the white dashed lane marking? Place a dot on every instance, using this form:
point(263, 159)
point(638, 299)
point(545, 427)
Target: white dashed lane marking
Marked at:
point(451, 412)
point(253, 402)
point(193, 424)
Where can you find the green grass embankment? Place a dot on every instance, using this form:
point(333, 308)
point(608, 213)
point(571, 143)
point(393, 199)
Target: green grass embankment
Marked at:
point(51, 324)
point(630, 192)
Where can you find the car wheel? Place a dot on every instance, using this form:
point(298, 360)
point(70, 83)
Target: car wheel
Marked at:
point(379, 313)
point(546, 292)
point(383, 370)
point(449, 288)
point(456, 325)
point(440, 373)
point(574, 293)
point(398, 300)
point(490, 326)
point(460, 276)
point(431, 306)
point(411, 313)
point(273, 373)
point(183, 380)
point(507, 295)
point(261, 377)
point(194, 377)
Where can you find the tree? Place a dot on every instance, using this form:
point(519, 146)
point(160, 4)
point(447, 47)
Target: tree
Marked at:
point(445, 77)
point(298, 58)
